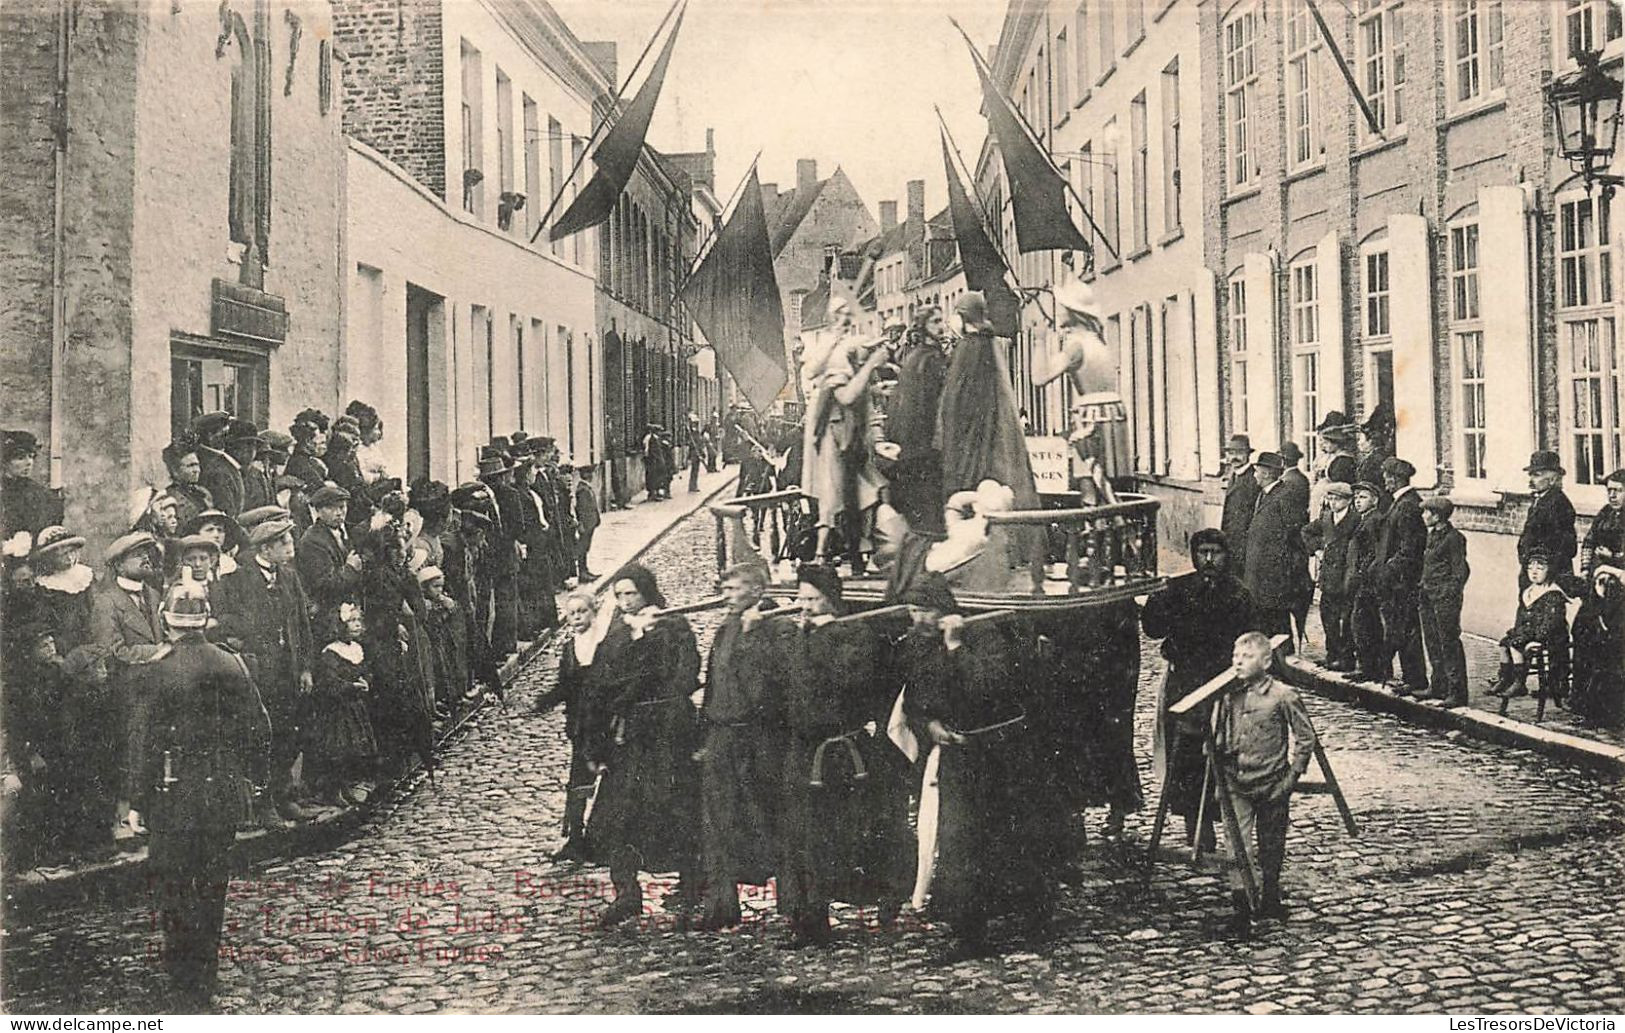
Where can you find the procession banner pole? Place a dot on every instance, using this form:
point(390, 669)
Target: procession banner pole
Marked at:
point(710, 240)
point(1032, 136)
point(1022, 290)
point(609, 116)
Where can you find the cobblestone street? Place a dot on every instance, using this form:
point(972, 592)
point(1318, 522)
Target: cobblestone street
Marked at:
point(1484, 879)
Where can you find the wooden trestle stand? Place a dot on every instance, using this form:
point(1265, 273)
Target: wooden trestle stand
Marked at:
point(1215, 775)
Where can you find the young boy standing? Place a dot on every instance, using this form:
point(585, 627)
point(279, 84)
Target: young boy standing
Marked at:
point(1264, 741)
point(1444, 579)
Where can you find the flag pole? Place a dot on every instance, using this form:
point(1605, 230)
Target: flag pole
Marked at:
point(1348, 73)
point(992, 238)
point(710, 240)
point(1032, 136)
point(609, 115)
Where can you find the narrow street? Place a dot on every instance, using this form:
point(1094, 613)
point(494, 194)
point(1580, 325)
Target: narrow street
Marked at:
point(1484, 880)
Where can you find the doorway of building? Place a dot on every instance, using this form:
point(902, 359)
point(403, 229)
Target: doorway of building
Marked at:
point(425, 318)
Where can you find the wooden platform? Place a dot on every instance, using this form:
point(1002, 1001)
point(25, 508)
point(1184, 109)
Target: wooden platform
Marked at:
point(1058, 594)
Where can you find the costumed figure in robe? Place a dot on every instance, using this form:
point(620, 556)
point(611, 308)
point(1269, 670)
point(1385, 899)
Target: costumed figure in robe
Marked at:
point(998, 841)
point(980, 431)
point(844, 829)
point(646, 815)
point(838, 470)
point(1099, 434)
point(743, 724)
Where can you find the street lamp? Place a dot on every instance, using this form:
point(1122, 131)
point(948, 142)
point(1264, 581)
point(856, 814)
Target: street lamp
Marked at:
point(1585, 104)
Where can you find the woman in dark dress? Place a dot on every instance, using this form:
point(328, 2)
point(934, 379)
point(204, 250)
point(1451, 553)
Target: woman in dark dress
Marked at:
point(998, 817)
point(1599, 651)
point(646, 817)
point(402, 716)
point(83, 732)
point(844, 814)
point(342, 754)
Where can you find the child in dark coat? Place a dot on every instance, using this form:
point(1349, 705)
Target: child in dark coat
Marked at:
point(1444, 580)
point(1542, 618)
point(342, 753)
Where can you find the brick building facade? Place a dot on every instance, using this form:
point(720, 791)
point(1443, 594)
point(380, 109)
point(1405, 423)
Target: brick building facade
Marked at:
point(1441, 262)
point(189, 189)
point(466, 119)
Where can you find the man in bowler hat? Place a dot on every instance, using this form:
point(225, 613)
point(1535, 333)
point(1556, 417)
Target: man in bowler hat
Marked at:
point(1401, 544)
point(1550, 522)
point(1240, 498)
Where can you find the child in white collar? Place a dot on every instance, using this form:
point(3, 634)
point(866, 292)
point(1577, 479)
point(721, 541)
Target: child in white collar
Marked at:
point(343, 751)
point(1542, 620)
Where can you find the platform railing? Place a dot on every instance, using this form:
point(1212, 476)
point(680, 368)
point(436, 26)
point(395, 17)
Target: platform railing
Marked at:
point(1097, 546)
point(761, 526)
point(1103, 546)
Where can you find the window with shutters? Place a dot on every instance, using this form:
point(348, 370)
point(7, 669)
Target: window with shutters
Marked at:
point(1304, 285)
point(1139, 165)
point(1170, 149)
point(1080, 43)
point(1587, 339)
point(1108, 218)
point(1376, 327)
point(1063, 81)
point(1240, 96)
point(1237, 296)
point(472, 104)
point(1380, 60)
point(1477, 51)
point(1305, 148)
point(1467, 352)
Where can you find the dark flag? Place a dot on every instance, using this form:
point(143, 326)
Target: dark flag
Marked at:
point(617, 154)
point(984, 268)
point(734, 297)
point(1037, 189)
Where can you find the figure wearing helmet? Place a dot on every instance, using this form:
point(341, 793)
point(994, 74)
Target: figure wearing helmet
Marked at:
point(209, 736)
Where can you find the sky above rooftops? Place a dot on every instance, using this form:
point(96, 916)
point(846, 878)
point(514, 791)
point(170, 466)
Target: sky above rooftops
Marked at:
point(849, 83)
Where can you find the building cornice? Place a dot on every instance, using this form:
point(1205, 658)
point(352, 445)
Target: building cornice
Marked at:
point(540, 29)
point(1021, 22)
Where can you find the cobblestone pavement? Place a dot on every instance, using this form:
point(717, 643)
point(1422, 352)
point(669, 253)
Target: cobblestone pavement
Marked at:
point(1484, 880)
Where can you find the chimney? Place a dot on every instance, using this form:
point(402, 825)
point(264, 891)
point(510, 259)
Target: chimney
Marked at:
point(888, 216)
point(916, 200)
point(770, 195)
point(806, 173)
point(710, 141)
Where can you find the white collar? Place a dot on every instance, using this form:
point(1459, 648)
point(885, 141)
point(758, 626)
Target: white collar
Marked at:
point(1403, 491)
point(74, 580)
point(129, 585)
point(269, 570)
point(227, 565)
point(1271, 486)
point(351, 651)
point(1534, 593)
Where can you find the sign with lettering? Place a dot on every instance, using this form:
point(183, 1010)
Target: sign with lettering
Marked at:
point(1052, 464)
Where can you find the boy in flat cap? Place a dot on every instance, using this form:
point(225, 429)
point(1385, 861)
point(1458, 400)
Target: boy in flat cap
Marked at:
point(328, 565)
point(1444, 580)
point(1329, 536)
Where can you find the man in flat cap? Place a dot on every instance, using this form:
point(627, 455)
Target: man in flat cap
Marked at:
point(1329, 536)
point(1198, 616)
point(328, 566)
point(125, 626)
point(1550, 522)
point(263, 613)
point(1401, 544)
point(1240, 498)
point(25, 504)
point(1276, 570)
